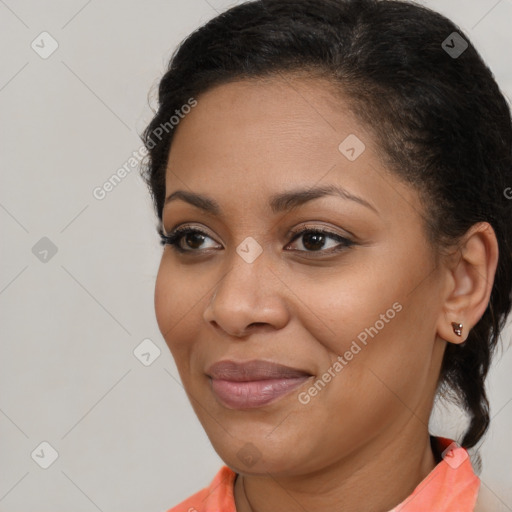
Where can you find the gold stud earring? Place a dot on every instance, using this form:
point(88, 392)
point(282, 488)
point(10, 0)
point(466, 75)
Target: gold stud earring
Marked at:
point(457, 328)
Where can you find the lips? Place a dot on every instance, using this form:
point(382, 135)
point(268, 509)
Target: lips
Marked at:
point(257, 369)
point(253, 383)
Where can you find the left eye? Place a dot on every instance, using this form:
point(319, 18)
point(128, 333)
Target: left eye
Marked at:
point(313, 240)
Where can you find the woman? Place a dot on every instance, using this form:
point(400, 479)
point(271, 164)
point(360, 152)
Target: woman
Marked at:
point(329, 178)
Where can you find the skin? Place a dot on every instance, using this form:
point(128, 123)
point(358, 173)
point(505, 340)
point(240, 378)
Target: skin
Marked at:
point(362, 442)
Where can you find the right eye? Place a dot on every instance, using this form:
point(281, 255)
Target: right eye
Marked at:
point(192, 236)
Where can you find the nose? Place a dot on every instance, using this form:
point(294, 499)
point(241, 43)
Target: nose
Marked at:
point(248, 296)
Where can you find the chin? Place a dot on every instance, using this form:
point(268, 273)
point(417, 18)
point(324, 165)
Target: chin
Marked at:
point(277, 465)
point(252, 453)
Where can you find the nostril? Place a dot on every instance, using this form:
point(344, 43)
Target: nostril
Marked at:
point(255, 324)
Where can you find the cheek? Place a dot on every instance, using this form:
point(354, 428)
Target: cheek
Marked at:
point(164, 298)
point(176, 301)
point(377, 360)
point(349, 304)
point(369, 317)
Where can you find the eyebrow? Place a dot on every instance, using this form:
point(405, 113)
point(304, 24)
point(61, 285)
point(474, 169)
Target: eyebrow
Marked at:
point(284, 201)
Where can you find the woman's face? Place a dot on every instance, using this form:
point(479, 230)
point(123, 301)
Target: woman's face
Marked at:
point(358, 318)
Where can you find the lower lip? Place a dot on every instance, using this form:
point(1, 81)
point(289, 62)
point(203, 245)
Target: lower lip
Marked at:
point(251, 394)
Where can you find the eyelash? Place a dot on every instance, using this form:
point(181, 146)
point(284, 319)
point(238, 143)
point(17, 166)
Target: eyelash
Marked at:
point(177, 234)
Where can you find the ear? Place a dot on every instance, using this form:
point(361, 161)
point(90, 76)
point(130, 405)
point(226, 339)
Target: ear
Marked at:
point(470, 272)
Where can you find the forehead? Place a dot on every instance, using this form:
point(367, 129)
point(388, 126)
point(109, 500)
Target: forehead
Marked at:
point(251, 138)
point(263, 108)
point(273, 124)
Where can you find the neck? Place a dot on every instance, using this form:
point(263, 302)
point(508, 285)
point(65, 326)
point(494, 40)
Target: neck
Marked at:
point(384, 472)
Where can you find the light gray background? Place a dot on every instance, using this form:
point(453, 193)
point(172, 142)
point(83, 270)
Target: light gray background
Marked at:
point(126, 436)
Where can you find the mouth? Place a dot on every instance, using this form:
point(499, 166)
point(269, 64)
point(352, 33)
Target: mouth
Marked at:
point(253, 383)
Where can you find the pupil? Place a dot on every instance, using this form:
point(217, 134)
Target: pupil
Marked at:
point(199, 240)
point(313, 236)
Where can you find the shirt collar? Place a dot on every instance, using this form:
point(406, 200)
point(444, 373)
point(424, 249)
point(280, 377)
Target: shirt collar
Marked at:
point(451, 485)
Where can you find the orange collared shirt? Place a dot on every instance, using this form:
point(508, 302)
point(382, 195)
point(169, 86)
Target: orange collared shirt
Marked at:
point(451, 486)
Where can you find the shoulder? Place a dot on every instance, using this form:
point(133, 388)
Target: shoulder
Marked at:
point(216, 497)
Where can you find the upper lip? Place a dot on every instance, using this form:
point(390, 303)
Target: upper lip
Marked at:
point(256, 369)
